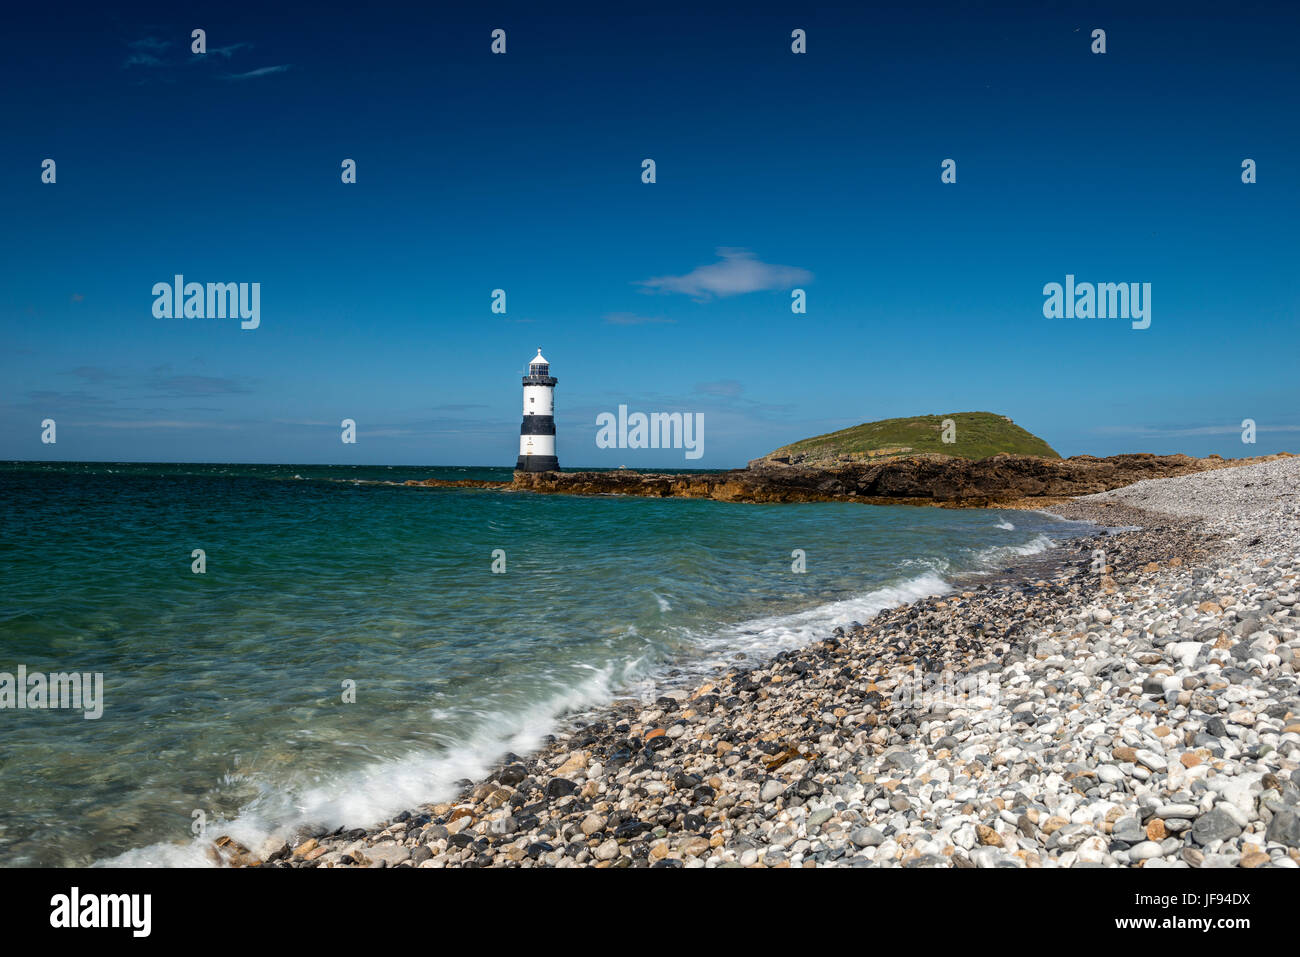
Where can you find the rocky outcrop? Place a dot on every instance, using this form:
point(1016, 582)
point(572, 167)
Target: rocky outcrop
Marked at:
point(1001, 480)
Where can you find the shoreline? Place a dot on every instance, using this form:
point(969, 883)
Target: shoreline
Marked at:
point(929, 479)
point(1073, 723)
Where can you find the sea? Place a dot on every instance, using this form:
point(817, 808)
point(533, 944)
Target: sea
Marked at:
point(286, 646)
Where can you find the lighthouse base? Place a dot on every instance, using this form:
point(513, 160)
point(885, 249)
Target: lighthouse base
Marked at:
point(537, 463)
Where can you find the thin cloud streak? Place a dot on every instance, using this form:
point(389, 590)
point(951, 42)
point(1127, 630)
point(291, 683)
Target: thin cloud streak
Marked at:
point(160, 424)
point(632, 319)
point(263, 71)
point(1145, 430)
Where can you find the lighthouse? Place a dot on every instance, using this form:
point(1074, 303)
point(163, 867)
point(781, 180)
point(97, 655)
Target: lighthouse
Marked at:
point(537, 434)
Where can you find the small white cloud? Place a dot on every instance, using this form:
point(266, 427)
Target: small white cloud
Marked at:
point(738, 271)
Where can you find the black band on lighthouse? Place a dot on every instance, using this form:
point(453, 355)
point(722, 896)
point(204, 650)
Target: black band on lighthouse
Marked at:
point(537, 463)
point(538, 425)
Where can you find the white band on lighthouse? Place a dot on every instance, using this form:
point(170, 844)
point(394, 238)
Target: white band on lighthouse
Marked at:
point(539, 400)
point(537, 433)
point(533, 445)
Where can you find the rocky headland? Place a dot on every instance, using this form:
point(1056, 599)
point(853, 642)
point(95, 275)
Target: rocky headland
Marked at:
point(999, 481)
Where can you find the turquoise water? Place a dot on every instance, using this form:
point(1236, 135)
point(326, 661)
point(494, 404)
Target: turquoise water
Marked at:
point(224, 691)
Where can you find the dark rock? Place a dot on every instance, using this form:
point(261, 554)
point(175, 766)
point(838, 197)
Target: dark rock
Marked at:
point(560, 787)
point(511, 774)
point(1214, 825)
point(631, 829)
point(1285, 828)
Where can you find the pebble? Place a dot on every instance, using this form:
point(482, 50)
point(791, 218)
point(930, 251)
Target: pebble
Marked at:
point(1148, 716)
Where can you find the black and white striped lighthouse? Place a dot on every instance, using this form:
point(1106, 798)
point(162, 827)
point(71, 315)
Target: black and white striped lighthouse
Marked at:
point(537, 434)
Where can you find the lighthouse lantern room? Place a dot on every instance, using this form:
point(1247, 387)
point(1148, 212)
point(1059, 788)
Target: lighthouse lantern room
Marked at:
point(537, 434)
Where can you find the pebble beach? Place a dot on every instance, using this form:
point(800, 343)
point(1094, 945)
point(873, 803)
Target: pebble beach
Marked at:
point(1131, 701)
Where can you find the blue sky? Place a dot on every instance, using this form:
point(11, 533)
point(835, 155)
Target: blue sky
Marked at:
point(523, 172)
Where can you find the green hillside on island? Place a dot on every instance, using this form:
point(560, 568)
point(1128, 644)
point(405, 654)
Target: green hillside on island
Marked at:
point(977, 435)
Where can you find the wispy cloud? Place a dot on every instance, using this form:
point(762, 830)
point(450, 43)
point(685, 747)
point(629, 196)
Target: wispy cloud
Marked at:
point(632, 319)
point(164, 424)
point(229, 51)
point(726, 387)
point(141, 59)
point(160, 383)
point(263, 71)
point(306, 423)
point(94, 374)
point(183, 386)
point(164, 60)
point(1153, 430)
point(738, 271)
point(58, 397)
point(443, 419)
point(147, 52)
point(153, 44)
